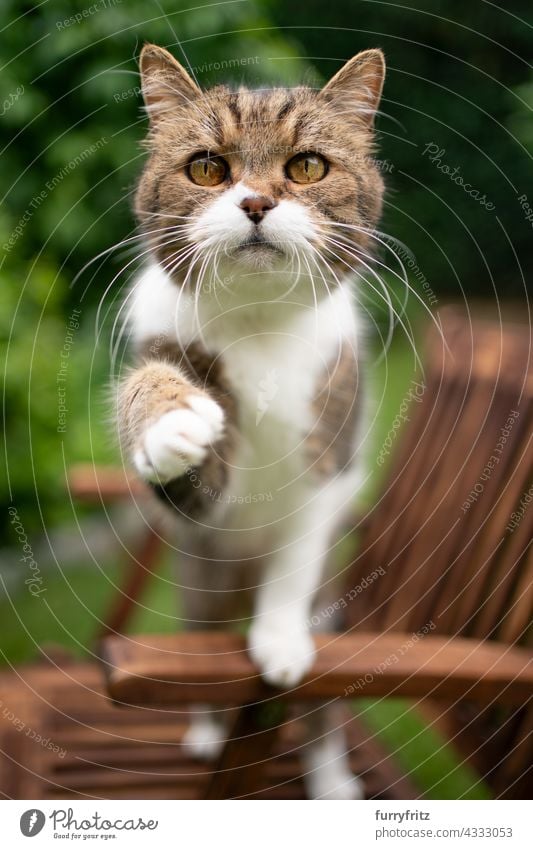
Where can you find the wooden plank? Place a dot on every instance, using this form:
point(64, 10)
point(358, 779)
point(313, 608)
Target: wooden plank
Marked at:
point(478, 427)
point(214, 667)
point(95, 767)
point(139, 569)
point(397, 518)
point(512, 775)
point(493, 600)
point(411, 532)
point(510, 598)
point(103, 483)
point(411, 528)
point(240, 769)
point(516, 621)
point(430, 531)
point(479, 551)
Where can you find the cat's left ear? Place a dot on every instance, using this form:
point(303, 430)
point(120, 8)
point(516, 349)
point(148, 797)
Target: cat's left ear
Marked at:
point(165, 83)
point(358, 85)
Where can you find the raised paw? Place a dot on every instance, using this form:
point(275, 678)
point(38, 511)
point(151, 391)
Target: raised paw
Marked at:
point(179, 439)
point(284, 656)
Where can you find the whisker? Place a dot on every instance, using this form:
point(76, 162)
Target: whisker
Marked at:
point(403, 280)
point(358, 300)
point(116, 246)
point(386, 295)
point(391, 311)
point(400, 320)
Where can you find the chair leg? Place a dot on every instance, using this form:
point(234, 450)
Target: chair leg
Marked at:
point(138, 573)
point(239, 771)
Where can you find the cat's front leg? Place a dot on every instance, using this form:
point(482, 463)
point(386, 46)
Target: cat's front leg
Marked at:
point(279, 641)
point(170, 426)
point(282, 648)
point(179, 440)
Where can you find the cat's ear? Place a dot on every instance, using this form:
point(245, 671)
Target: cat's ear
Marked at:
point(358, 85)
point(165, 83)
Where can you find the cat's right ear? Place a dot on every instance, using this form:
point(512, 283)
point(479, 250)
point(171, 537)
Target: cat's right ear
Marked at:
point(165, 83)
point(358, 85)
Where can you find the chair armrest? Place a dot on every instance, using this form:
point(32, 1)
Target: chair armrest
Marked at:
point(214, 667)
point(103, 483)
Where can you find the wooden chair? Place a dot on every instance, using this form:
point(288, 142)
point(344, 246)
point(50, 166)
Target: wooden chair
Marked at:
point(446, 622)
point(97, 485)
point(456, 540)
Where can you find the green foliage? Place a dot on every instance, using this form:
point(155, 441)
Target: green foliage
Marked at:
point(37, 346)
point(458, 77)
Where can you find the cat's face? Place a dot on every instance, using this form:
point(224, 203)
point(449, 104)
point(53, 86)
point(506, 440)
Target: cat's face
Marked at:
point(268, 179)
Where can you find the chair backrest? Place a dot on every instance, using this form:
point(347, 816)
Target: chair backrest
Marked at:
point(450, 537)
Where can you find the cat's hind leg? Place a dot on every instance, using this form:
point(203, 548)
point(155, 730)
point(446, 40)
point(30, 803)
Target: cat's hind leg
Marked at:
point(212, 598)
point(325, 760)
point(205, 735)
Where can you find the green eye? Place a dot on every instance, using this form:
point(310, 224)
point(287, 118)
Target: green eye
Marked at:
point(207, 170)
point(306, 168)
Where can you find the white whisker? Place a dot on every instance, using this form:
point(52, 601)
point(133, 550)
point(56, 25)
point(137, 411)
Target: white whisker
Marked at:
point(377, 291)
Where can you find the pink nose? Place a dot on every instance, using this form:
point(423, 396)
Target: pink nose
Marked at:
point(256, 207)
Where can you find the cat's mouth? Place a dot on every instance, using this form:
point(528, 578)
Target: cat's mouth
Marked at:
point(257, 244)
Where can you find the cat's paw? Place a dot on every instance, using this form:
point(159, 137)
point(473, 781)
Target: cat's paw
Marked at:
point(203, 739)
point(284, 656)
point(179, 440)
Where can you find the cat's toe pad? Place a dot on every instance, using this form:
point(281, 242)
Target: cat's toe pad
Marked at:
point(283, 656)
point(179, 440)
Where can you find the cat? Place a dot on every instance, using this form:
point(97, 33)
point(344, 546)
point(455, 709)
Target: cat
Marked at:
point(245, 408)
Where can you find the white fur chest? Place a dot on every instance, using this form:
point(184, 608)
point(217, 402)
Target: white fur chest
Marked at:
point(274, 355)
point(273, 384)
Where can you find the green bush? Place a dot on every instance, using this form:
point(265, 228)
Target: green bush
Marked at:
point(458, 77)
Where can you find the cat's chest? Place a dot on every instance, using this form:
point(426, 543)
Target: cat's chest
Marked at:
point(274, 363)
point(273, 381)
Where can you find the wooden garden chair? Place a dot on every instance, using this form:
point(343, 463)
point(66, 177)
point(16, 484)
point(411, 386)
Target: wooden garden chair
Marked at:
point(446, 623)
point(456, 540)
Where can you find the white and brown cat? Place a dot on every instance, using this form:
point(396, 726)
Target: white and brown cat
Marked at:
point(243, 410)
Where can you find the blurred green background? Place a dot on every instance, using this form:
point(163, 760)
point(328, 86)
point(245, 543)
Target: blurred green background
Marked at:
point(72, 123)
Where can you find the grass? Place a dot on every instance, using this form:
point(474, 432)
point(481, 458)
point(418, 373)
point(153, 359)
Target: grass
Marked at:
point(433, 765)
point(69, 613)
point(75, 602)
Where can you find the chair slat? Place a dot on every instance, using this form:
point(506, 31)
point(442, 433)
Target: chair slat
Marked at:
point(516, 620)
point(471, 558)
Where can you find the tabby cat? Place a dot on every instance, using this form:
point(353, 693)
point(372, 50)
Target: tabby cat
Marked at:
point(244, 410)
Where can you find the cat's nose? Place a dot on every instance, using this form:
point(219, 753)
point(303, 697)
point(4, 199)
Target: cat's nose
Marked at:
point(256, 207)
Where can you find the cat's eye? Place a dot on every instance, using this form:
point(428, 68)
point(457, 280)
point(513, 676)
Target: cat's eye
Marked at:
point(208, 170)
point(306, 168)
